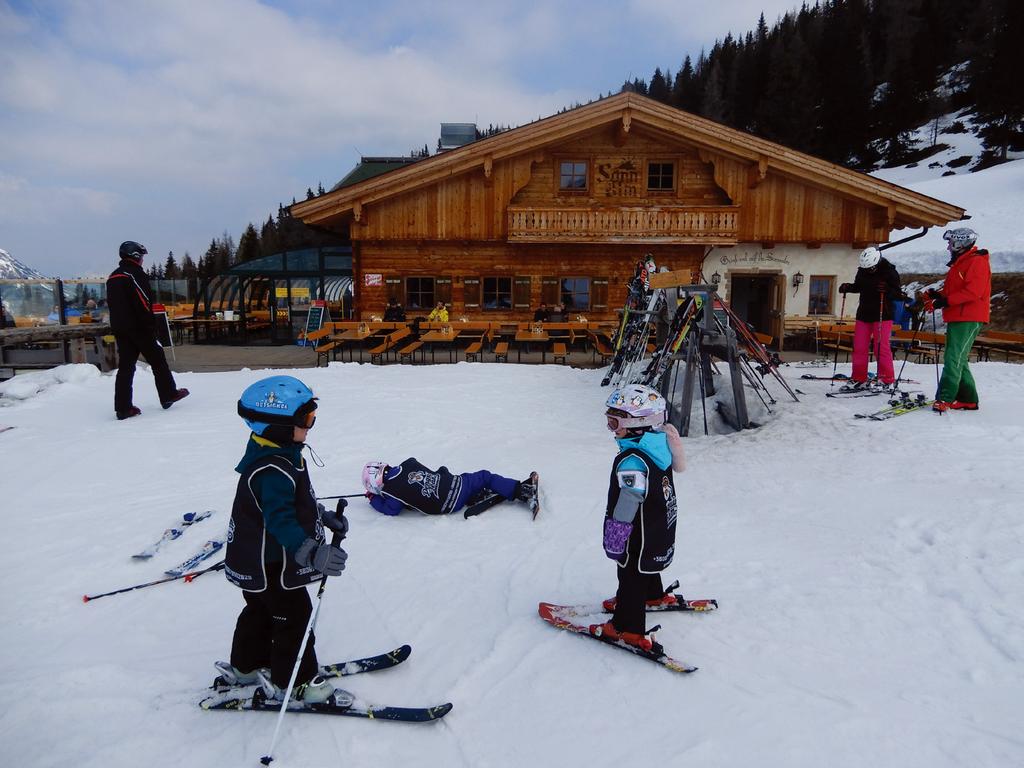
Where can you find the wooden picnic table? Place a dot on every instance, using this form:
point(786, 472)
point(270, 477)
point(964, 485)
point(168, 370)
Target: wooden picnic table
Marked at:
point(523, 338)
point(211, 324)
point(440, 337)
point(356, 336)
point(985, 344)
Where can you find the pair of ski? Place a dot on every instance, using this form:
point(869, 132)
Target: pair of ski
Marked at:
point(631, 340)
point(844, 377)
point(686, 314)
point(487, 499)
point(897, 407)
point(189, 519)
point(565, 617)
point(228, 697)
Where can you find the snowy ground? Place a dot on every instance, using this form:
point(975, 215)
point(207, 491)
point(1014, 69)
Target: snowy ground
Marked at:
point(870, 575)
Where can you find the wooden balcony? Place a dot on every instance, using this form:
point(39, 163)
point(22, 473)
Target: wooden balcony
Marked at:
point(666, 224)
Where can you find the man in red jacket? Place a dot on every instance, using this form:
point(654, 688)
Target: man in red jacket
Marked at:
point(964, 301)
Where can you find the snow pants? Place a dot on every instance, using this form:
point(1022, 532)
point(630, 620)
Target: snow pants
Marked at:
point(474, 482)
point(957, 382)
point(129, 348)
point(270, 629)
point(874, 336)
point(635, 589)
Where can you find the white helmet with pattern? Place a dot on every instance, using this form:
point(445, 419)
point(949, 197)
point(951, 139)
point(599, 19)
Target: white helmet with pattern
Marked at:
point(373, 476)
point(869, 257)
point(635, 406)
point(960, 240)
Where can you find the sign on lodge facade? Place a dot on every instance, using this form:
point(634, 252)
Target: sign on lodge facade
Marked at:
point(560, 210)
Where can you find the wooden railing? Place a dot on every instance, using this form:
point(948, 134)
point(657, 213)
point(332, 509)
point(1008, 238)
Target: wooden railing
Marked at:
point(669, 224)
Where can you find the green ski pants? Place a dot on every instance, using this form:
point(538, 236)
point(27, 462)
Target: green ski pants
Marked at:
point(957, 383)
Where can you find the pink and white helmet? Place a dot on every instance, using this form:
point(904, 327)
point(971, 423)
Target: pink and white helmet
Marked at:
point(634, 406)
point(373, 476)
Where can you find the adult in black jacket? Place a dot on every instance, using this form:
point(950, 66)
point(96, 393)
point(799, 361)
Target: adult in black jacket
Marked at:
point(878, 284)
point(130, 299)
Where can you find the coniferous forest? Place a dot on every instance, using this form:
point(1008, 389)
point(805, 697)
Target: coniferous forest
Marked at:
point(850, 80)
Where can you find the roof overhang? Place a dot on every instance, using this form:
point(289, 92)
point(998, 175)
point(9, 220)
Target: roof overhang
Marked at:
point(896, 205)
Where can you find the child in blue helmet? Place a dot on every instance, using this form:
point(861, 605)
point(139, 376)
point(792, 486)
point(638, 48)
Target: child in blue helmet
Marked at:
point(276, 543)
point(640, 518)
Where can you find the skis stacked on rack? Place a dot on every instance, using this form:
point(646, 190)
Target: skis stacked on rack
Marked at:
point(187, 520)
point(853, 389)
point(226, 696)
point(898, 407)
point(687, 314)
point(640, 300)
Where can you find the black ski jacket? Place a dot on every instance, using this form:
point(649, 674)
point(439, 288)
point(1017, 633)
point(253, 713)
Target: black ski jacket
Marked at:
point(871, 285)
point(425, 490)
point(130, 298)
point(655, 523)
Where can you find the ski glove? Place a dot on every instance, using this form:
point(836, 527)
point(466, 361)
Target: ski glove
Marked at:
point(616, 535)
point(845, 287)
point(328, 560)
point(334, 518)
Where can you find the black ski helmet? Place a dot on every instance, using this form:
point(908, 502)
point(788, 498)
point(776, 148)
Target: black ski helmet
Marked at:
point(132, 250)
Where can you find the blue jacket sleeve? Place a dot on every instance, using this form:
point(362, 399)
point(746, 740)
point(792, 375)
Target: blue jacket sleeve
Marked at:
point(386, 506)
point(276, 495)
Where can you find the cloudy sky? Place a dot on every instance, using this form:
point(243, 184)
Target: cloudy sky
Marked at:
point(171, 122)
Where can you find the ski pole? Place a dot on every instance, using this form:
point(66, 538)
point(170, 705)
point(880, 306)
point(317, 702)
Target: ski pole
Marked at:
point(935, 332)
point(835, 364)
point(906, 354)
point(186, 576)
point(268, 758)
point(342, 496)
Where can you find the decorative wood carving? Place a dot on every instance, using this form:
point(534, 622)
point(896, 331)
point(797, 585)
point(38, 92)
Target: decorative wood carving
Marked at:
point(757, 173)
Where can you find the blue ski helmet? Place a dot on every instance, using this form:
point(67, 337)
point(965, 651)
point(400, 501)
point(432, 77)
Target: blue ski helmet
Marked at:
point(277, 401)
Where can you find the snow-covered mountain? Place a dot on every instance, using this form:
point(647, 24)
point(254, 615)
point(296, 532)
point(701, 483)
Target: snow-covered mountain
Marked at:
point(11, 268)
point(992, 197)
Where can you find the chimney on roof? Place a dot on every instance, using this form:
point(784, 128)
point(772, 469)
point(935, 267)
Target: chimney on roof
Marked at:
point(455, 135)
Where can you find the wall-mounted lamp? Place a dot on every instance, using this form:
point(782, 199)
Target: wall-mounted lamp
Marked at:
point(716, 278)
point(797, 279)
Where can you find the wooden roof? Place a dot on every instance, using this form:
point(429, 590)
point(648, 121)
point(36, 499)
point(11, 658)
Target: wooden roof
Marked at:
point(905, 207)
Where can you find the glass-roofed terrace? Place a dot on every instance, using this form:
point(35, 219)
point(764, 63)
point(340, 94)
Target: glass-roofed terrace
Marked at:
point(271, 295)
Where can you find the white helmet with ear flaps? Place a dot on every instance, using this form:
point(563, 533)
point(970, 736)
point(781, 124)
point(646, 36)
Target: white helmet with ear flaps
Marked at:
point(869, 257)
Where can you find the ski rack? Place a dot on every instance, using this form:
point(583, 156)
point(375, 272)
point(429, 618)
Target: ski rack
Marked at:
point(710, 335)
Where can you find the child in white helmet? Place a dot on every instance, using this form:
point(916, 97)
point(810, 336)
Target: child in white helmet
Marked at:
point(640, 518)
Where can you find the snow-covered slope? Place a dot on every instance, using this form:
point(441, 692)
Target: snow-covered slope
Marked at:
point(869, 575)
point(994, 199)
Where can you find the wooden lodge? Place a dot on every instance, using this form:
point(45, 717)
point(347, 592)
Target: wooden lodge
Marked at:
point(560, 210)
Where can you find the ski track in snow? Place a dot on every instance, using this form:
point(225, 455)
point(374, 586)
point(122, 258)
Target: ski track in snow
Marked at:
point(868, 574)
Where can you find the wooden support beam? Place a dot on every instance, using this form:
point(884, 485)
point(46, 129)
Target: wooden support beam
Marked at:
point(622, 128)
point(357, 212)
point(757, 172)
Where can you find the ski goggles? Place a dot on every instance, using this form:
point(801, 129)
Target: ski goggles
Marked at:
point(619, 419)
point(304, 417)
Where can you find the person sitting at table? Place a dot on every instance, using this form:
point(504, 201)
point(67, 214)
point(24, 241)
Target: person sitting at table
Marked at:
point(557, 314)
point(542, 313)
point(394, 312)
point(438, 314)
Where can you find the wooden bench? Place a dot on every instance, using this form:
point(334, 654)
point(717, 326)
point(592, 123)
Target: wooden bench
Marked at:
point(501, 352)
point(322, 349)
point(409, 351)
point(600, 347)
point(378, 353)
point(473, 351)
point(558, 351)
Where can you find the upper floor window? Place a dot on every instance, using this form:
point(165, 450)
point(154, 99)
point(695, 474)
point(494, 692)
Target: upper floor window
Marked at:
point(661, 177)
point(573, 175)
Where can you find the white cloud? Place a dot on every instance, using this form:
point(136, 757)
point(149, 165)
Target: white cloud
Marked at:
point(170, 115)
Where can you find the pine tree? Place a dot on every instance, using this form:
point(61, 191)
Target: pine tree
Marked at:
point(658, 89)
point(248, 245)
point(171, 271)
point(269, 241)
point(995, 80)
